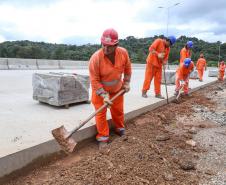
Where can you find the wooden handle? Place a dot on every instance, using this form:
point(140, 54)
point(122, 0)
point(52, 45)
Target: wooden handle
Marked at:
point(93, 114)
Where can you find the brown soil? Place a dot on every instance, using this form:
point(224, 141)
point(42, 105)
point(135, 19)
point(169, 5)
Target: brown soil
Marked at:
point(154, 151)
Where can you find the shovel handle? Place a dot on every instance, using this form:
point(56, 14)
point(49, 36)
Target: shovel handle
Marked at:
point(181, 89)
point(93, 114)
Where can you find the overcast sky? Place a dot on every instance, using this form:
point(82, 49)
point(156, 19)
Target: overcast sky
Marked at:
point(83, 21)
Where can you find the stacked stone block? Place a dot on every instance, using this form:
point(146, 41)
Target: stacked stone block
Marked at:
point(60, 89)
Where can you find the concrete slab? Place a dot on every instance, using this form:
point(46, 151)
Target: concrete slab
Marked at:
point(26, 125)
point(21, 63)
point(4, 63)
point(48, 64)
point(71, 64)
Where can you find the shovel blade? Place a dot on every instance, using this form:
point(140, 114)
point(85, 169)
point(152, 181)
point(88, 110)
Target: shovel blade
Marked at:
point(67, 143)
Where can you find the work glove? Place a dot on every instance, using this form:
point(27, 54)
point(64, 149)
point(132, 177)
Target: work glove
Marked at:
point(161, 55)
point(106, 98)
point(126, 86)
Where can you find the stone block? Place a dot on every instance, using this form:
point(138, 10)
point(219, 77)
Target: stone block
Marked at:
point(213, 73)
point(170, 77)
point(194, 74)
point(60, 89)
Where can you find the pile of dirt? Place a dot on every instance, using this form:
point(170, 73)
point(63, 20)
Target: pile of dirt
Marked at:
point(155, 150)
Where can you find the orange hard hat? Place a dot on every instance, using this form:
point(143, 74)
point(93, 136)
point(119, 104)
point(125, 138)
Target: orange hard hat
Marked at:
point(109, 37)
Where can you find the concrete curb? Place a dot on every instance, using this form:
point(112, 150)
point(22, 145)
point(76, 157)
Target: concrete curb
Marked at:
point(22, 158)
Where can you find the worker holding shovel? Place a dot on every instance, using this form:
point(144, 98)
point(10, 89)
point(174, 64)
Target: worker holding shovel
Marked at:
point(106, 67)
point(158, 56)
point(182, 76)
point(185, 52)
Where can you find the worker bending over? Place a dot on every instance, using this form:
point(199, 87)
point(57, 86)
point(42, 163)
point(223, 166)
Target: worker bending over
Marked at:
point(221, 69)
point(185, 52)
point(200, 66)
point(182, 76)
point(158, 56)
point(106, 67)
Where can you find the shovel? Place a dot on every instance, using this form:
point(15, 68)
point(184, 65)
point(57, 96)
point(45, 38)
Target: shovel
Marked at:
point(63, 137)
point(179, 93)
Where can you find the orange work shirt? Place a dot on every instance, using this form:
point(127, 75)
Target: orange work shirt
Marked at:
point(104, 75)
point(158, 46)
point(184, 53)
point(183, 71)
point(201, 63)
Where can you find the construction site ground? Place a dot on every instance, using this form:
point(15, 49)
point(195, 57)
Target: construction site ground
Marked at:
point(180, 144)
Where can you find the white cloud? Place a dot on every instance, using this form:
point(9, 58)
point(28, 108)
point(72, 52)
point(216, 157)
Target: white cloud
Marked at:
point(56, 21)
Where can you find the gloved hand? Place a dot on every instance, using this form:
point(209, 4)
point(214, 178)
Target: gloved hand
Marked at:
point(106, 98)
point(161, 55)
point(126, 86)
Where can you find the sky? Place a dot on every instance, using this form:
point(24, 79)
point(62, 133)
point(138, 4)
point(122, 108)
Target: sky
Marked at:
point(83, 21)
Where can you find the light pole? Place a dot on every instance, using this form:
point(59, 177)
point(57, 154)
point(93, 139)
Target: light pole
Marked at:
point(219, 55)
point(167, 23)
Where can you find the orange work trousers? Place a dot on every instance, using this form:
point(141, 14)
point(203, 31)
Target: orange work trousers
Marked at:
point(150, 72)
point(178, 85)
point(200, 73)
point(221, 75)
point(117, 114)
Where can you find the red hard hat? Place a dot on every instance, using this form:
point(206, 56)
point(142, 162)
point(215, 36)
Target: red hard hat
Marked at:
point(109, 37)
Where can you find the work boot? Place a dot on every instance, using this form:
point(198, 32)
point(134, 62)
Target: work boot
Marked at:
point(120, 132)
point(200, 80)
point(144, 94)
point(102, 144)
point(159, 96)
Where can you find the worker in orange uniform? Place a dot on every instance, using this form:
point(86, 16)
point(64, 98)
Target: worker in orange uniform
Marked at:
point(221, 68)
point(186, 52)
point(157, 57)
point(106, 67)
point(200, 66)
point(182, 76)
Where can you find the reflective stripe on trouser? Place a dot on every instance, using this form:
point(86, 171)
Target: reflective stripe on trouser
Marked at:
point(221, 75)
point(200, 73)
point(177, 83)
point(150, 72)
point(117, 115)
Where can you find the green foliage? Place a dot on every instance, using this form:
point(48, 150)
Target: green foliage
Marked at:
point(137, 48)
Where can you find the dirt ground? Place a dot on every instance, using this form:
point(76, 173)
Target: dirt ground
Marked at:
point(177, 144)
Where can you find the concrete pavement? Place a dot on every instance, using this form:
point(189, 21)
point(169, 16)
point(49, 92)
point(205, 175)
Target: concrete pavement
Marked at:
point(26, 124)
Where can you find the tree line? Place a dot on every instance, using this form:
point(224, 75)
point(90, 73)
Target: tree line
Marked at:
point(137, 48)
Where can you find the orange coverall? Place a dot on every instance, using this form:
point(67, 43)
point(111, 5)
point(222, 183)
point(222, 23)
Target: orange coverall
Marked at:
point(106, 77)
point(200, 66)
point(183, 74)
point(154, 65)
point(184, 53)
point(222, 67)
